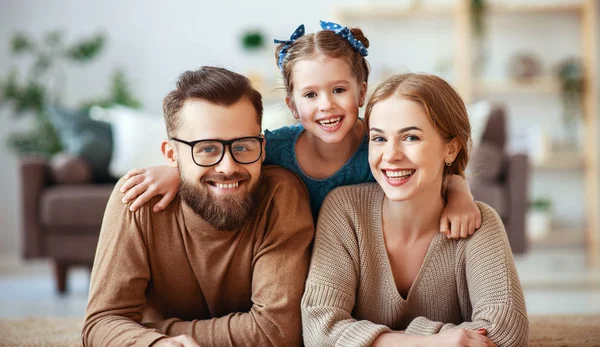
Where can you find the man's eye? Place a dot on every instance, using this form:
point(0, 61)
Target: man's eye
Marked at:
point(310, 95)
point(238, 149)
point(206, 149)
point(339, 90)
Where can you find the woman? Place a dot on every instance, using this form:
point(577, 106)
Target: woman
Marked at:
point(381, 272)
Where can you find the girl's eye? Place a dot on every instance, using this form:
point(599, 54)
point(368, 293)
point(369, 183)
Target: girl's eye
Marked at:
point(377, 139)
point(310, 95)
point(339, 90)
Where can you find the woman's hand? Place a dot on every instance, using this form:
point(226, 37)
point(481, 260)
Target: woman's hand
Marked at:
point(460, 338)
point(461, 216)
point(143, 184)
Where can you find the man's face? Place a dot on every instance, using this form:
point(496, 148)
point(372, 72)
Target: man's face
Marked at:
point(223, 194)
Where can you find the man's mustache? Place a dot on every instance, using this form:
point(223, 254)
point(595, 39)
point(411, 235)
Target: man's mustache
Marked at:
point(236, 176)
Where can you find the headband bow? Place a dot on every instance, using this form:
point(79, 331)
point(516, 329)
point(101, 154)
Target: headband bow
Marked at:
point(283, 51)
point(347, 34)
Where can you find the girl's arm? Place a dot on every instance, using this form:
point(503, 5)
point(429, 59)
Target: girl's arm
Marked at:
point(461, 216)
point(143, 184)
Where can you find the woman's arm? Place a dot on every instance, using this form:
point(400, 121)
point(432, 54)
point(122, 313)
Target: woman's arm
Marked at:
point(494, 290)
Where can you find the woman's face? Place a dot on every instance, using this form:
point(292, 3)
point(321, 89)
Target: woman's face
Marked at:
point(406, 154)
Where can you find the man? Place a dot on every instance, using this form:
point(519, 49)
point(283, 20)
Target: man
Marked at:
point(225, 263)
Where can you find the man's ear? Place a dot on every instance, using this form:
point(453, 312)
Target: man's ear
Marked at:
point(290, 104)
point(453, 148)
point(169, 152)
point(362, 95)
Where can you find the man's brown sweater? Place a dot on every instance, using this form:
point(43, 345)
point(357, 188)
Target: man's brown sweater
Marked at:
point(170, 273)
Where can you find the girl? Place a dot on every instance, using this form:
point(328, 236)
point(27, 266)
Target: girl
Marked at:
point(325, 76)
point(381, 273)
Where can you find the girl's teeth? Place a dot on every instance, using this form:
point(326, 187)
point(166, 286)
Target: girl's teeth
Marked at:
point(330, 122)
point(227, 185)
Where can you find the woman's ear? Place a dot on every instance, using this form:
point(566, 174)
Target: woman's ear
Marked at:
point(290, 104)
point(169, 152)
point(362, 95)
point(452, 150)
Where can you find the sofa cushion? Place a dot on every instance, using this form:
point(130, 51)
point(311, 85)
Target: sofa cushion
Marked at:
point(487, 162)
point(74, 205)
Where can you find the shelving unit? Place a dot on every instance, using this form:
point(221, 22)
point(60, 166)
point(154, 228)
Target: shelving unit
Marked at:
point(472, 88)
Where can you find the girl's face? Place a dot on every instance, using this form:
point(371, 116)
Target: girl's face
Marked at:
point(326, 97)
point(406, 154)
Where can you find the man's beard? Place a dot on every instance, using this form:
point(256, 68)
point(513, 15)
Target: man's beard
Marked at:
point(226, 212)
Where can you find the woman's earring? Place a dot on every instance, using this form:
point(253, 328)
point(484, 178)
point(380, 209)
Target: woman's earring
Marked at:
point(448, 163)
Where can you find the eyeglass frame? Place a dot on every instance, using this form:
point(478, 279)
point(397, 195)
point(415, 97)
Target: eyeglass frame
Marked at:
point(226, 144)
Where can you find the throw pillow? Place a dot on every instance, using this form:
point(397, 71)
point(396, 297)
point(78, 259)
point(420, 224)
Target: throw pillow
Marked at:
point(137, 136)
point(85, 138)
point(70, 169)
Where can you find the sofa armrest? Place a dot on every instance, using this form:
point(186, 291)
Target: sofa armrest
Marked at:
point(517, 180)
point(34, 177)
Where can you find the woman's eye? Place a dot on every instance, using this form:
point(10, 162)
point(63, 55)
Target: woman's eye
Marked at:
point(377, 139)
point(411, 138)
point(339, 90)
point(310, 95)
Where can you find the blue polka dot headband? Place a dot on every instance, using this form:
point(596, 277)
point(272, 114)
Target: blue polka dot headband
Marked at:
point(336, 28)
point(347, 34)
point(287, 43)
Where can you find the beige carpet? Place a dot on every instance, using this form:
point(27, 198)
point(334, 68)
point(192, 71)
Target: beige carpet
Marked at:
point(545, 331)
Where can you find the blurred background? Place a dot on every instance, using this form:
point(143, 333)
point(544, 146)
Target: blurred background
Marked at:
point(81, 86)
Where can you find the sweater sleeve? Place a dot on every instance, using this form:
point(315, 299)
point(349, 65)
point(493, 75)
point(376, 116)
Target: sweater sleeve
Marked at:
point(332, 282)
point(495, 293)
point(280, 267)
point(119, 279)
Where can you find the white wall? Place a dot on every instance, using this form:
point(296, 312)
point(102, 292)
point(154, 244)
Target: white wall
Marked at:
point(155, 41)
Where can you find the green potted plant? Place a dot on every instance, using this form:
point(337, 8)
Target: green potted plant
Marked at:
point(539, 218)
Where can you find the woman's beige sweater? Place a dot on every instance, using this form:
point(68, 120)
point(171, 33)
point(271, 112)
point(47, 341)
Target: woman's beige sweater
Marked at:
point(351, 297)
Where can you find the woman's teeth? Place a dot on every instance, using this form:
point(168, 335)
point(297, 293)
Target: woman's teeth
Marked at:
point(400, 174)
point(330, 122)
point(227, 185)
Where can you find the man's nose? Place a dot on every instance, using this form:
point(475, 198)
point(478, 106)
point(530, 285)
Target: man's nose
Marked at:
point(227, 165)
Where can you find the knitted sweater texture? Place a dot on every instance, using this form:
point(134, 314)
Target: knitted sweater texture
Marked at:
point(351, 297)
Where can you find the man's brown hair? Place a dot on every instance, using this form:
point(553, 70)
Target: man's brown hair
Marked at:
point(442, 104)
point(213, 84)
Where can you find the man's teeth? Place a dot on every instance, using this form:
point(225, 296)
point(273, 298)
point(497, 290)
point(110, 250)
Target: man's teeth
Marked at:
point(330, 122)
point(400, 174)
point(227, 185)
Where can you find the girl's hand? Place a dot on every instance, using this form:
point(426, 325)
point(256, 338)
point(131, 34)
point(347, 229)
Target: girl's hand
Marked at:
point(461, 338)
point(461, 216)
point(143, 184)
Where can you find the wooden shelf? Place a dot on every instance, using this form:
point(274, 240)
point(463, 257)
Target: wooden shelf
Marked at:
point(392, 11)
point(562, 161)
point(543, 85)
point(529, 9)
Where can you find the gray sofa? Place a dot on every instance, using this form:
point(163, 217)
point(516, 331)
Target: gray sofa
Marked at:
point(60, 221)
point(501, 179)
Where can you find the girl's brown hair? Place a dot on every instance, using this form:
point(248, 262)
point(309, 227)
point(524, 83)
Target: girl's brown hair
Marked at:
point(441, 103)
point(329, 44)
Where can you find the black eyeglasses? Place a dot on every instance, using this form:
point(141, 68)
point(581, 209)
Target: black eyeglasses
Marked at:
point(243, 150)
